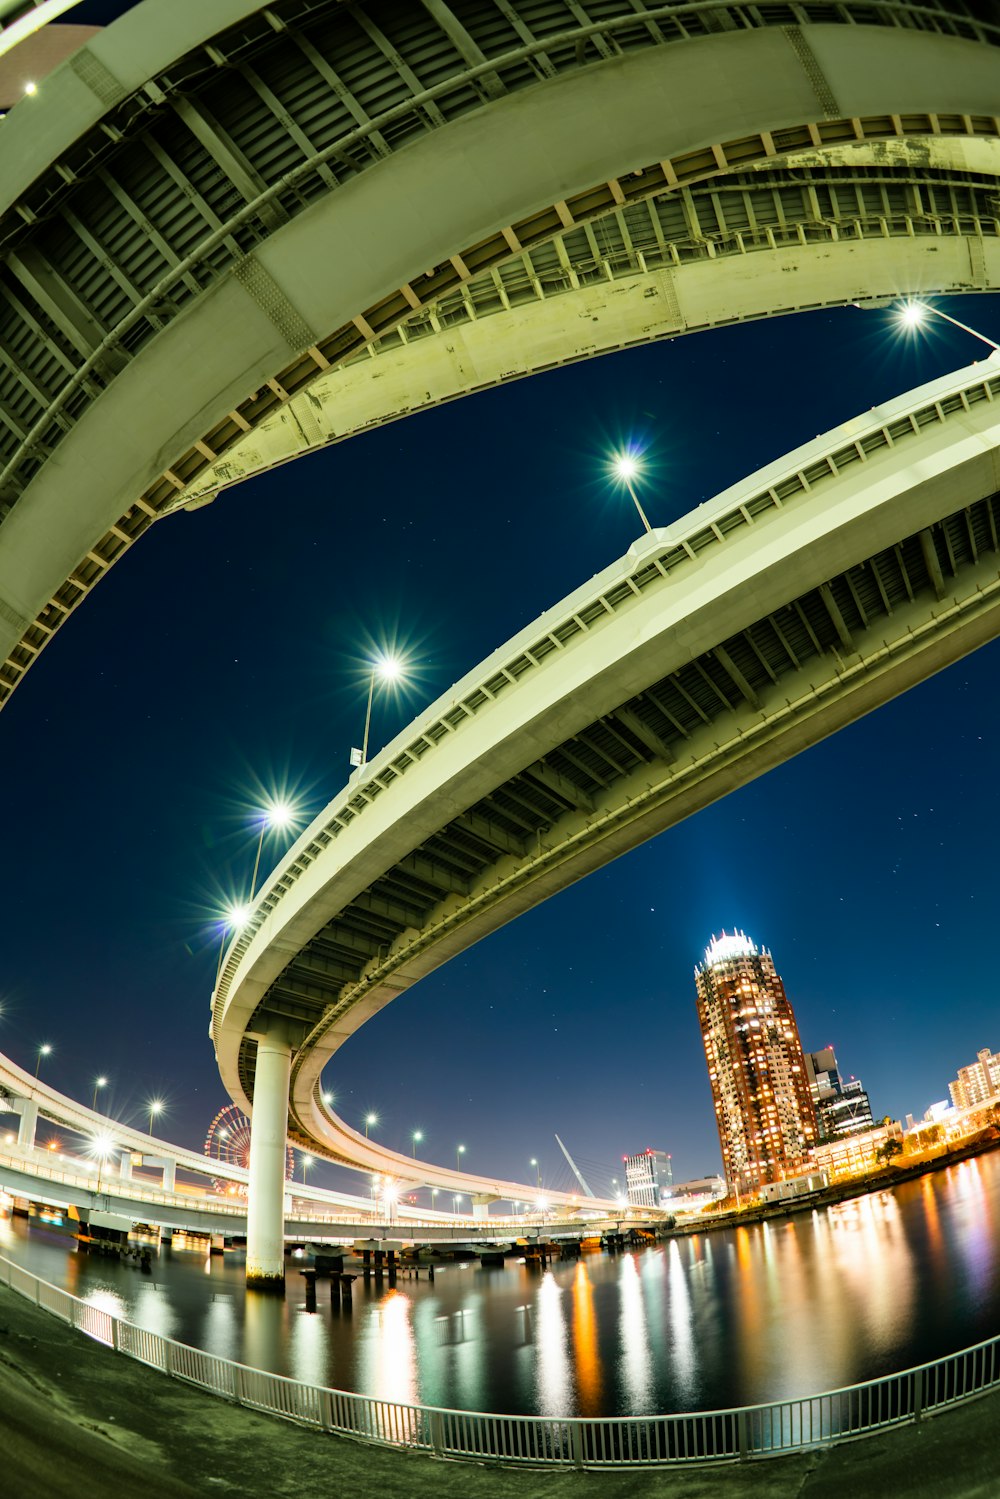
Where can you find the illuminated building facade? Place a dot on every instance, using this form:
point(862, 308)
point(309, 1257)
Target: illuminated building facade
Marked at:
point(977, 1082)
point(648, 1177)
point(842, 1108)
point(763, 1105)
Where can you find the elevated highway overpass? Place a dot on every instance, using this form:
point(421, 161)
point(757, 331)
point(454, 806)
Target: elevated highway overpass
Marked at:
point(498, 189)
point(787, 607)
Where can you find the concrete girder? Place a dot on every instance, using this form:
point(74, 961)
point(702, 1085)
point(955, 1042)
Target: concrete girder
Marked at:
point(608, 119)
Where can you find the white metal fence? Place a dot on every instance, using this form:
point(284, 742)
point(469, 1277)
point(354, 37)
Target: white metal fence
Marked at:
point(613, 1441)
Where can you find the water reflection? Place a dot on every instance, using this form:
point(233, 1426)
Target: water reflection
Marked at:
point(635, 1363)
point(804, 1303)
point(553, 1376)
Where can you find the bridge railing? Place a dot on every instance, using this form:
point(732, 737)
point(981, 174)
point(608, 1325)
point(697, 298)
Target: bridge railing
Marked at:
point(747, 1432)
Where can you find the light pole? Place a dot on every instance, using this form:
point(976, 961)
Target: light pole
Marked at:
point(154, 1107)
point(99, 1082)
point(913, 314)
point(538, 1173)
point(307, 1161)
point(277, 815)
point(385, 669)
point(418, 1135)
point(44, 1050)
point(459, 1153)
point(101, 1147)
point(627, 469)
point(370, 1119)
point(235, 917)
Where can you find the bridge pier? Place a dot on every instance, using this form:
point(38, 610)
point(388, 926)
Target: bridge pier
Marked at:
point(266, 1189)
point(28, 1109)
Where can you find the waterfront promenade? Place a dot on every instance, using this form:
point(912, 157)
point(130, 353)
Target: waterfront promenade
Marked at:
point(75, 1414)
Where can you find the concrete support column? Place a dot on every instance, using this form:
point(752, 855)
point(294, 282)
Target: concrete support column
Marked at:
point(28, 1125)
point(169, 1176)
point(481, 1206)
point(268, 1144)
point(125, 1166)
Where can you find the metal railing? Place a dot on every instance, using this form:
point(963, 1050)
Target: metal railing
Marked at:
point(752, 1431)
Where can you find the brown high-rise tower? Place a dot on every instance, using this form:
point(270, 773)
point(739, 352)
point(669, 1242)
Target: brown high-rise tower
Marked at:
point(763, 1105)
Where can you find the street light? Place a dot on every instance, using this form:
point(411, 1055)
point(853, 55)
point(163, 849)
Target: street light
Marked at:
point(626, 469)
point(418, 1135)
point(386, 668)
point(99, 1082)
point(235, 916)
point(307, 1161)
point(277, 815)
point(459, 1153)
point(370, 1119)
point(538, 1172)
point(913, 314)
point(43, 1051)
point(153, 1108)
point(101, 1147)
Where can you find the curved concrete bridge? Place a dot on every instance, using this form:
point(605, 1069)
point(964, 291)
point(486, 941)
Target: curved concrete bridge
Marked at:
point(234, 232)
point(787, 607)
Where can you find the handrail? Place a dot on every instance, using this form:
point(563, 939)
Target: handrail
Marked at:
point(682, 1440)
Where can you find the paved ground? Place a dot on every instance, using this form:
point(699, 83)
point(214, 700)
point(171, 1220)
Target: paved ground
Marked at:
point(77, 1418)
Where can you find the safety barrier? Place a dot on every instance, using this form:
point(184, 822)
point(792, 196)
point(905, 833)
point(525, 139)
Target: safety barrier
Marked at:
point(752, 1431)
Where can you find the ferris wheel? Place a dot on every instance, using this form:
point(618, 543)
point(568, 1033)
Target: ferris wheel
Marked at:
point(228, 1140)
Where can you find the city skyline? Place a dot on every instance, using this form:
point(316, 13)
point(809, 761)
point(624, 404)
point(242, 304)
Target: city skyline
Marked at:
point(148, 737)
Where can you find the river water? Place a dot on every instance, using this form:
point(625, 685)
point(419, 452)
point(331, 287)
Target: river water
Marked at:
point(778, 1309)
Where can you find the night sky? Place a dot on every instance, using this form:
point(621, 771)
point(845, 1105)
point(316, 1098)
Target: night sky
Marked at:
point(223, 661)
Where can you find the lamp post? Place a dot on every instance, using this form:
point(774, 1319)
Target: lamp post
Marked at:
point(385, 669)
point(235, 916)
point(370, 1119)
point(418, 1135)
point(913, 314)
point(538, 1172)
point(154, 1108)
point(277, 815)
point(459, 1153)
point(627, 469)
point(99, 1082)
point(101, 1147)
point(44, 1050)
point(307, 1161)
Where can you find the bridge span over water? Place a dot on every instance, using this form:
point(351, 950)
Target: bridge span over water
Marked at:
point(716, 648)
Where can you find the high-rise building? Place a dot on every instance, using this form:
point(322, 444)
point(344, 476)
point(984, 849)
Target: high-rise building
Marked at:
point(842, 1108)
point(977, 1082)
point(763, 1106)
point(647, 1177)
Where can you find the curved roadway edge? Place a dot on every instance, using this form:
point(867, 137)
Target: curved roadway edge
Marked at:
point(461, 184)
point(942, 463)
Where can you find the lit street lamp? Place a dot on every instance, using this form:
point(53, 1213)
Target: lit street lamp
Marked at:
point(627, 468)
point(913, 314)
point(277, 815)
point(99, 1082)
point(370, 1119)
point(459, 1153)
point(154, 1107)
point(43, 1051)
point(385, 669)
point(418, 1135)
point(101, 1148)
point(307, 1161)
point(236, 916)
point(538, 1172)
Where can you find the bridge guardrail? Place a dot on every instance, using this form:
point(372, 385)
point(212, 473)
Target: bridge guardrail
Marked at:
point(753, 1431)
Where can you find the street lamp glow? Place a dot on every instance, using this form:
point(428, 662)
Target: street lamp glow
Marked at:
point(914, 314)
point(627, 468)
point(418, 1135)
point(44, 1050)
point(459, 1153)
point(99, 1082)
point(154, 1107)
point(327, 1097)
point(275, 815)
point(387, 669)
point(370, 1119)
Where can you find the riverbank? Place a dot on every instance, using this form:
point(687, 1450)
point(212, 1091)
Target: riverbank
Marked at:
point(891, 1176)
point(78, 1416)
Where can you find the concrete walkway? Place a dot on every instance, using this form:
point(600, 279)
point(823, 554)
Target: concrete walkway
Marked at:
point(77, 1418)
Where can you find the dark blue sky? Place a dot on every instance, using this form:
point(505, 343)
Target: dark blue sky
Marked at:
point(221, 657)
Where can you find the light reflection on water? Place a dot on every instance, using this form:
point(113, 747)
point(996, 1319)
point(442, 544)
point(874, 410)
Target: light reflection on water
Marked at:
point(796, 1305)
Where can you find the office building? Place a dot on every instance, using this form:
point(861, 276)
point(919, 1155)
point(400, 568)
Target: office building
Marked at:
point(760, 1090)
point(842, 1107)
point(977, 1082)
point(648, 1177)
